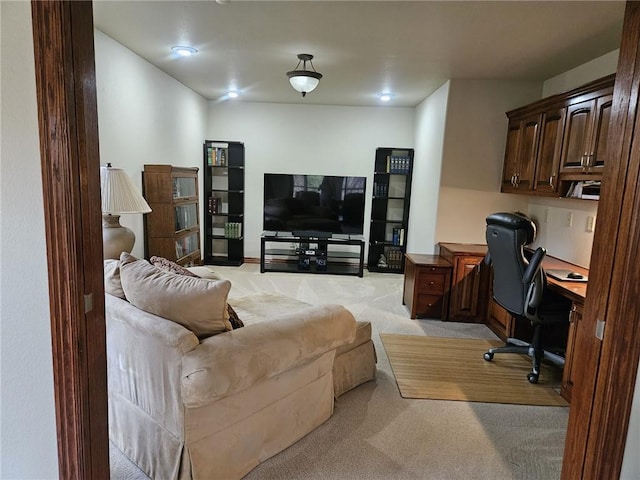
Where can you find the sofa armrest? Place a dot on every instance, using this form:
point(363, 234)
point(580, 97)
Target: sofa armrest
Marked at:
point(233, 361)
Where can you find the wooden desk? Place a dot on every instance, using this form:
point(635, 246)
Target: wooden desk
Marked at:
point(576, 291)
point(471, 300)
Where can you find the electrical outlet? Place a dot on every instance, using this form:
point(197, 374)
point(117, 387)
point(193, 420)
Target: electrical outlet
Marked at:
point(591, 223)
point(570, 219)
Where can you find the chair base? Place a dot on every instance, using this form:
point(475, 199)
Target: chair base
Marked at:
point(515, 345)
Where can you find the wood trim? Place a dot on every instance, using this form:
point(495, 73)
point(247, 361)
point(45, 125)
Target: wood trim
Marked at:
point(67, 114)
point(604, 384)
point(620, 348)
point(579, 94)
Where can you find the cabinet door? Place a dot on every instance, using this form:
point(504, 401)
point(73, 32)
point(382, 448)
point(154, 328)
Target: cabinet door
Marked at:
point(576, 136)
point(527, 151)
point(510, 168)
point(568, 374)
point(465, 289)
point(549, 150)
point(600, 132)
point(520, 154)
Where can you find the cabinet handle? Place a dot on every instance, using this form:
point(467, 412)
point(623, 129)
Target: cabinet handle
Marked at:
point(431, 283)
point(513, 180)
point(551, 181)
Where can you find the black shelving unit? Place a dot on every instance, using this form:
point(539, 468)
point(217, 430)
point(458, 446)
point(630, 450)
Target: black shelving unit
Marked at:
point(224, 203)
point(336, 255)
point(390, 209)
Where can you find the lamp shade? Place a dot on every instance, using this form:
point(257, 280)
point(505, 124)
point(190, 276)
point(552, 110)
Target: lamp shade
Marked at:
point(119, 195)
point(303, 83)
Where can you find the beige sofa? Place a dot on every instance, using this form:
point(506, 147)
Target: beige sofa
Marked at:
point(184, 408)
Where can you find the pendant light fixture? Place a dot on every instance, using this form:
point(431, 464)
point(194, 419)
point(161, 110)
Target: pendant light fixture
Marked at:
point(304, 80)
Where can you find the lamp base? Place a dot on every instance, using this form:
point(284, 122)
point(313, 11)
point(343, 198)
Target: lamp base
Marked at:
point(115, 238)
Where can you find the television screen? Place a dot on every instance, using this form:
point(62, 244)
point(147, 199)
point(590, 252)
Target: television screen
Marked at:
point(320, 203)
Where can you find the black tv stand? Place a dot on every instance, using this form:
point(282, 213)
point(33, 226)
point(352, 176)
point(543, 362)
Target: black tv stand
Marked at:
point(311, 234)
point(289, 252)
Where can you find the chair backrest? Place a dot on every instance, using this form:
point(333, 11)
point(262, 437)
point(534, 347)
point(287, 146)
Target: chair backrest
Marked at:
point(507, 235)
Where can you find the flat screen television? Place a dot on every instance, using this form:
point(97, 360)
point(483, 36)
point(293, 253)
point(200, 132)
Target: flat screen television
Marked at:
point(314, 203)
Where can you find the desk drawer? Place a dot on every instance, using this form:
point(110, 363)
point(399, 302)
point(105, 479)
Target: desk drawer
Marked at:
point(433, 283)
point(429, 306)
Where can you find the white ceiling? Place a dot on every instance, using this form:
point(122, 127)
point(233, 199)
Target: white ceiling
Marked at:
point(361, 47)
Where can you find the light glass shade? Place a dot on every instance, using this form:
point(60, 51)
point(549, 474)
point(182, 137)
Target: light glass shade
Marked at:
point(303, 84)
point(119, 195)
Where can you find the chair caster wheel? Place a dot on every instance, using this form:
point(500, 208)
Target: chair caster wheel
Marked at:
point(488, 356)
point(532, 377)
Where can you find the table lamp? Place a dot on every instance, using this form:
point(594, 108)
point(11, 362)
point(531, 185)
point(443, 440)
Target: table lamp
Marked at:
point(119, 196)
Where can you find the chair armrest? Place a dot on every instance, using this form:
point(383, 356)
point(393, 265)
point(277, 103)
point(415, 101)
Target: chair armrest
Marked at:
point(534, 265)
point(233, 361)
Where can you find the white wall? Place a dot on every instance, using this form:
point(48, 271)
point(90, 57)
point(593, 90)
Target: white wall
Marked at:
point(473, 155)
point(306, 139)
point(27, 413)
point(144, 117)
point(430, 122)
point(585, 73)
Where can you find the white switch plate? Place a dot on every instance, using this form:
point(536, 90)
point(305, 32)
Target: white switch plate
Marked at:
point(570, 219)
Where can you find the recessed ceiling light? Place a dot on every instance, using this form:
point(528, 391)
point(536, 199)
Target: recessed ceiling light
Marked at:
point(184, 51)
point(385, 97)
point(232, 94)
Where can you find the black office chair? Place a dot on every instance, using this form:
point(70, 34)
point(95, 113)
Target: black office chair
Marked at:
point(520, 286)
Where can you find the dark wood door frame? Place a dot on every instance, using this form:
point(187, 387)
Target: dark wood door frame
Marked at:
point(604, 388)
point(64, 57)
point(68, 124)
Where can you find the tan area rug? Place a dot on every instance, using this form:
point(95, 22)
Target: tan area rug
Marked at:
point(453, 369)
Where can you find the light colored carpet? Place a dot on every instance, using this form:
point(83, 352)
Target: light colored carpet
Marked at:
point(439, 368)
point(374, 432)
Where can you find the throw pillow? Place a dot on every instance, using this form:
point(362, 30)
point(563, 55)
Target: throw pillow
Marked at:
point(234, 320)
point(170, 266)
point(198, 304)
point(112, 283)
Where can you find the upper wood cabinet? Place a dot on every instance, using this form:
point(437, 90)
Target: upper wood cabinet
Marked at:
point(557, 140)
point(585, 145)
point(522, 145)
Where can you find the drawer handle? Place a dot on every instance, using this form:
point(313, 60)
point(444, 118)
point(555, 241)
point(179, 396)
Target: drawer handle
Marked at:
point(431, 283)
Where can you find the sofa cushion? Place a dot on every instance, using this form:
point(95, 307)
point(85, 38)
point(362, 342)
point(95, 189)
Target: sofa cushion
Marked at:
point(198, 304)
point(112, 283)
point(230, 363)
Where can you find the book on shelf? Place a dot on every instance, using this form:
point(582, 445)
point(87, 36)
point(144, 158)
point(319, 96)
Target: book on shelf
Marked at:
point(233, 230)
point(217, 154)
point(214, 205)
point(394, 258)
point(397, 237)
point(380, 189)
point(398, 164)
